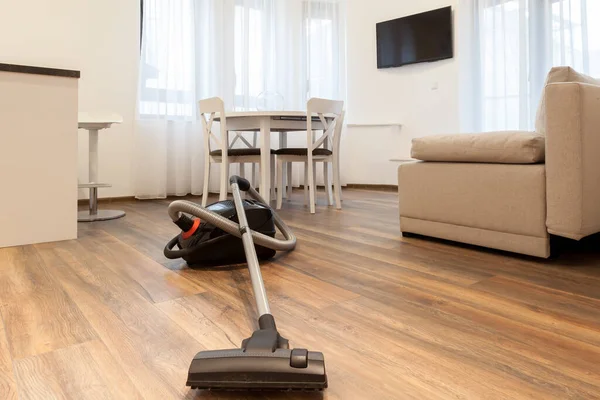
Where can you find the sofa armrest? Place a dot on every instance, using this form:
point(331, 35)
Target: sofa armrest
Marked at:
point(573, 159)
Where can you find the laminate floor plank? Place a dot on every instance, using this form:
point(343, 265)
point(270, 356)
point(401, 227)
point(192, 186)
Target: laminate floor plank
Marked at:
point(485, 343)
point(569, 307)
point(154, 282)
point(147, 345)
point(108, 316)
point(8, 387)
point(84, 371)
point(382, 262)
point(38, 314)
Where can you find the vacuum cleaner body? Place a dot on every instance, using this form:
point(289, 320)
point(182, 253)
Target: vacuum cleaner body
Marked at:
point(202, 243)
point(230, 232)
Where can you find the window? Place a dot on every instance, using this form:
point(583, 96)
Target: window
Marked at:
point(514, 45)
point(167, 61)
point(576, 36)
point(503, 95)
point(251, 41)
point(321, 54)
point(238, 50)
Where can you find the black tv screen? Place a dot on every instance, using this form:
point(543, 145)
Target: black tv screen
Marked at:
point(417, 38)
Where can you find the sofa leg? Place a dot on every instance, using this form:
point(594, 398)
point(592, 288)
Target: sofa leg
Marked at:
point(558, 245)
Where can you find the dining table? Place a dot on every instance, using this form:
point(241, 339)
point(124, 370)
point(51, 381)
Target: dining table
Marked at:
point(265, 122)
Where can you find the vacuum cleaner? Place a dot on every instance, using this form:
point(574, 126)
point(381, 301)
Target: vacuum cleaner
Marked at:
point(230, 232)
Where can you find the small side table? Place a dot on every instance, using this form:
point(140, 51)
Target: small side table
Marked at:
point(93, 123)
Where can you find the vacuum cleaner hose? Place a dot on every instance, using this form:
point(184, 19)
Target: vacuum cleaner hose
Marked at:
point(179, 206)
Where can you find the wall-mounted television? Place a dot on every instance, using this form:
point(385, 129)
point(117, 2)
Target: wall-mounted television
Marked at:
point(417, 38)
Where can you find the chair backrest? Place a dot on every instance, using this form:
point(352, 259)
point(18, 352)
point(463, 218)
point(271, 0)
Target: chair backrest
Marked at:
point(209, 110)
point(331, 115)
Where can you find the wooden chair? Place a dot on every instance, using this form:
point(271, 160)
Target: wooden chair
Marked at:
point(214, 109)
point(326, 149)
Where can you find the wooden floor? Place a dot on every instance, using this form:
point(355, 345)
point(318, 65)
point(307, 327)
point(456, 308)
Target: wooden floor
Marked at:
point(107, 316)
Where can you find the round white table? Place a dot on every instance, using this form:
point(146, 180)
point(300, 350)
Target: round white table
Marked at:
point(266, 122)
point(94, 123)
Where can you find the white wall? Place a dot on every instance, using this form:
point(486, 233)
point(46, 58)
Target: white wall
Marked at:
point(403, 95)
point(109, 69)
point(99, 38)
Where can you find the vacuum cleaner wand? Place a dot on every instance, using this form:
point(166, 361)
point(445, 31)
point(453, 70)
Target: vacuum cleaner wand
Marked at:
point(258, 286)
point(264, 362)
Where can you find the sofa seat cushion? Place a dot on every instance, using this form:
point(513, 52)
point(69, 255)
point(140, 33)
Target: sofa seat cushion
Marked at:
point(511, 147)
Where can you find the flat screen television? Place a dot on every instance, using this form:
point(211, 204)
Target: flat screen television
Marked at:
point(417, 38)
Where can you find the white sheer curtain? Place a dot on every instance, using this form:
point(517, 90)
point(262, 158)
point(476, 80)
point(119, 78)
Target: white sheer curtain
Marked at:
point(234, 49)
point(507, 48)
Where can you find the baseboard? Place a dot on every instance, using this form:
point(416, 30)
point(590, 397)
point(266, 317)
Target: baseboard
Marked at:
point(363, 186)
point(366, 186)
point(83, 202)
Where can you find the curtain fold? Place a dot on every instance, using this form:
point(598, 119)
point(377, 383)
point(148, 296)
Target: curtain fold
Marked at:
point(251, 53)
point(168, 152)
point(507, 48)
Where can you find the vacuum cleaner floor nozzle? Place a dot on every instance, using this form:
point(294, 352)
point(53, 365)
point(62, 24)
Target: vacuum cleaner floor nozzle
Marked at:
point(282, 369)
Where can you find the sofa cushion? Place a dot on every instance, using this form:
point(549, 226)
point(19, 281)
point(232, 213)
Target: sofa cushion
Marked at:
point(511, 147)
point(558, 75)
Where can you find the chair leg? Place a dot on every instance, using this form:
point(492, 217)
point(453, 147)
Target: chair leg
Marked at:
point(284, 178)
point(306, 183)
point(206, 182)
point(315, 182)
point(273, 194)
point(289, 180)
point(279, 183)
point(327, 181)
point(311, 186)
point(243, 176)
point(337, 186)
point(224, 181)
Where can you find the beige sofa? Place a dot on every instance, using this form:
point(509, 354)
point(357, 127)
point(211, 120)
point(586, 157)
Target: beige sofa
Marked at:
point(510, 190)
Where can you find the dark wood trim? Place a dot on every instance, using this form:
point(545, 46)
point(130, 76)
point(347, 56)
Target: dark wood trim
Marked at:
point(376, 188)
point(83, 202)
point(106, 200)
point(28, 69)
point(381, 188)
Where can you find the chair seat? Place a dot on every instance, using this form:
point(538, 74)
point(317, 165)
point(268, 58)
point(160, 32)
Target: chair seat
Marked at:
point(239, 152)
point(293, 151)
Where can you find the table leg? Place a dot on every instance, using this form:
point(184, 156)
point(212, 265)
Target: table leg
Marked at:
point(94, 201)
point(93, 169)
point(93, 214)
point(286, 166)
point(93, 156)
point(265, 158)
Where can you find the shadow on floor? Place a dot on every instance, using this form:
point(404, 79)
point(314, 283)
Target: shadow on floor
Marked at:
point(252, 395)
point(565, 252)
